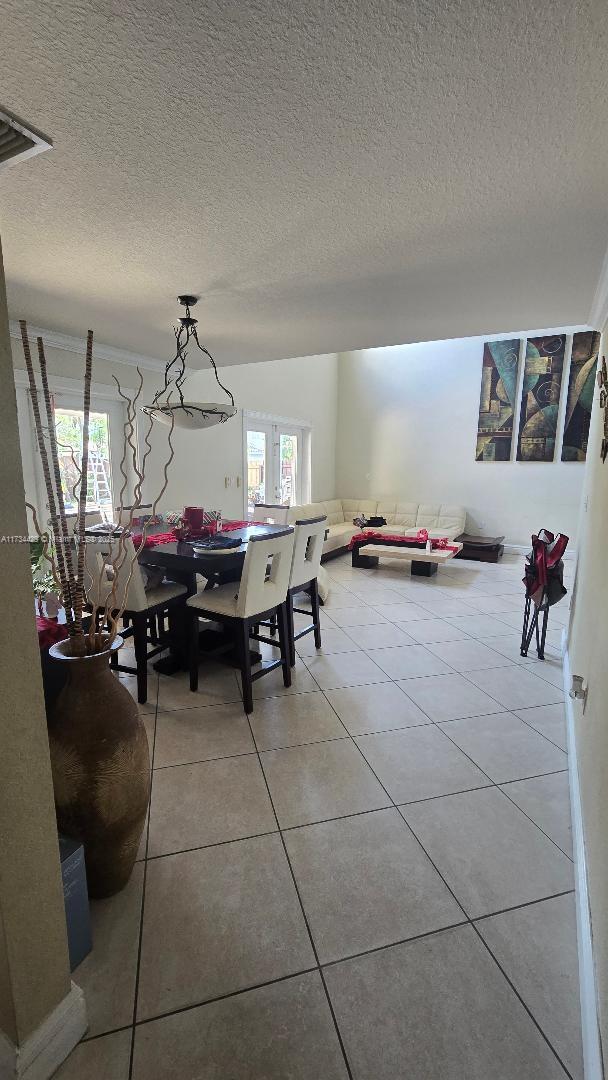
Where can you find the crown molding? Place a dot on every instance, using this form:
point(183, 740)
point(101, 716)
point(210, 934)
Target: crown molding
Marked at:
point(57, 385)
point(598, 316)
point(76, 345)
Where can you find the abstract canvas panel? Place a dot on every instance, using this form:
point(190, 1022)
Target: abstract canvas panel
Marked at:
point(581, 384)
point(497, 400)
point(540, 397)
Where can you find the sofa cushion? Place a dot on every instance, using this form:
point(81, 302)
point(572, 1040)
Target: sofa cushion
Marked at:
point(441, 516)
point(435, 534)
point(339, 536)
point(353, 508)
point(307, 510)
point(333, 510)
point(343, 528)
point(398, 513)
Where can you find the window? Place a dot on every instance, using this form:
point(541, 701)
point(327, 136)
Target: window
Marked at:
point(277, 461)
point(256, 468)
point(69, 425)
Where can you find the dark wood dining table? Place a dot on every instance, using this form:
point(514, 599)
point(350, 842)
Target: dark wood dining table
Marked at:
point(182, 561)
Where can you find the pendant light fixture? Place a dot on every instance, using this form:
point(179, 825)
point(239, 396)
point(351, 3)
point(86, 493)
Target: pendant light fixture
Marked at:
point(169, 401)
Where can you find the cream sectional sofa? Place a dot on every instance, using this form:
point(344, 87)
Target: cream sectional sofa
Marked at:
point(402, 518)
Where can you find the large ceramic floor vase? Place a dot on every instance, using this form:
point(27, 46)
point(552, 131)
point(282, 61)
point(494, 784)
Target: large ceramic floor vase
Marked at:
point(101, 767)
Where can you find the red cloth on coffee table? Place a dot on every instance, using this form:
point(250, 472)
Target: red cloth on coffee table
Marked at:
point(438, 544)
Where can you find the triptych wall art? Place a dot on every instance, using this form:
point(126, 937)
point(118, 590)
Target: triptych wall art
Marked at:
point(581, 384)
point(543, 367)
point(497, 400)
point(540, 397)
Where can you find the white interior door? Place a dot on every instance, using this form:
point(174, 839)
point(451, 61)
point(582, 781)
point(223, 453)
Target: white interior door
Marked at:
point(273, 464)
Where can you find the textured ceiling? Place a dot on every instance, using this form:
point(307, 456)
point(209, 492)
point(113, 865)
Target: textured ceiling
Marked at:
point(327, 175)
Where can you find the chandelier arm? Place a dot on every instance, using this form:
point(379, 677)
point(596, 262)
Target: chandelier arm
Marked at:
point(169, 365)
point(179, 379)
point(207, 353)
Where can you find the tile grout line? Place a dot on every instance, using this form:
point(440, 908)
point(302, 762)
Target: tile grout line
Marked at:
point(492, 782)
point(521, 1000)
point(329, 963)
point(467, 917)
point(498, 787)
point(143, 894)
point(219, 997)
point(304, 915)
point(358, 813)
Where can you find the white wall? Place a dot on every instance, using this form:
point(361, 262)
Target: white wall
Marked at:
point(407, 427)
point(302, 388)
point(588, 649)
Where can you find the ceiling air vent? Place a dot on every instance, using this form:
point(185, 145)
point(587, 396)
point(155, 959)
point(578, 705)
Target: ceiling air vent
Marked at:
point(18, 142)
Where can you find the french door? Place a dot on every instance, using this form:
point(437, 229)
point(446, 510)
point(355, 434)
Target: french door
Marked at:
point(274, 461)
point(106, 441)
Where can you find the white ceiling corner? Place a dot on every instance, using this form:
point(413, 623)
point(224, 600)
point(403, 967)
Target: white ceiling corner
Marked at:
point(325, 176)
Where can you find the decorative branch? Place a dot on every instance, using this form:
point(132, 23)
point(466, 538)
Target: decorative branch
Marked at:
point(82, 503)
point(115, 606)
point(64, 551)
point(51, 495)
point(71, 581)
point(145, 526)
point(74, 489)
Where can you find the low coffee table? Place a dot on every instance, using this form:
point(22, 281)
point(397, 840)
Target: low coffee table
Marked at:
point(367, 554)
point(480, 548)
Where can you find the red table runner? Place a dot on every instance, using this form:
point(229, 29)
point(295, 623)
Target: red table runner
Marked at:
point(170, 537)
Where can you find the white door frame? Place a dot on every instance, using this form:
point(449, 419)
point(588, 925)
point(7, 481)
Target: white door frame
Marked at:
point(303, 427)
point(104, 398)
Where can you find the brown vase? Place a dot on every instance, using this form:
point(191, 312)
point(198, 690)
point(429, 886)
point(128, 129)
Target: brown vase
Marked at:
point(101, 767)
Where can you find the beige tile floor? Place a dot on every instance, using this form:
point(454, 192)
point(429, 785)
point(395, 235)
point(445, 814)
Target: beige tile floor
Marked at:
point(369, 877)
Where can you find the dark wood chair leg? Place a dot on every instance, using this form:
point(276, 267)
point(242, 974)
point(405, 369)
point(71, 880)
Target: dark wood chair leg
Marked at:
point(153, 630)
point(178, 640)
point(193, 649)
point(273, 624)
point(316, 617)
point(285, 643)
point(114, 655)
point(291, 630)
point(140, 641)
point(244, 654)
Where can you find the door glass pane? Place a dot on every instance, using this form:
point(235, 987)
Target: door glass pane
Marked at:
point(68, 425)
point(288, 465)
point(256, 468)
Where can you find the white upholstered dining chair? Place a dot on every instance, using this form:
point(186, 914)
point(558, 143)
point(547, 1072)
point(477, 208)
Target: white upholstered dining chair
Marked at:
point(261, 593)
point(273, 513)
point(305, 563)
point(105, 565)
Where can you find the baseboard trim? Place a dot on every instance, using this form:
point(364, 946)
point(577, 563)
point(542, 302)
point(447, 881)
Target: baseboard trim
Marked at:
point(592, 1047)
point(523, 549)
point(46, 1048)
